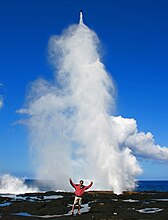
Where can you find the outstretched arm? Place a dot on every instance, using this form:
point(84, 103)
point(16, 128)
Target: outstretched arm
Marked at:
point(87, 187)
point(72, 184)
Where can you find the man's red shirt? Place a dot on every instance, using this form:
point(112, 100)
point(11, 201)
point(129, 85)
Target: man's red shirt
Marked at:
point(80, 189)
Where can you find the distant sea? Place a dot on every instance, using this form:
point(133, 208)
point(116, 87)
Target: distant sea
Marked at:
point(152, 185)
point(157, 185)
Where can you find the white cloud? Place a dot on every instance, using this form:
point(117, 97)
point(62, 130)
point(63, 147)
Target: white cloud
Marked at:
point(1, 103)
point(2, 95)
point(142, 144)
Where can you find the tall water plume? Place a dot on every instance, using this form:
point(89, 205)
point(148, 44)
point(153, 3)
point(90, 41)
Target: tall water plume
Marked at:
point(72, 130)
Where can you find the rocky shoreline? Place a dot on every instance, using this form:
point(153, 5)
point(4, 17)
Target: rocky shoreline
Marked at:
point(96, 205)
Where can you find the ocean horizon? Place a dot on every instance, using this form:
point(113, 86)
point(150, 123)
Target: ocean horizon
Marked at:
point(14, 185)
point(141, 185)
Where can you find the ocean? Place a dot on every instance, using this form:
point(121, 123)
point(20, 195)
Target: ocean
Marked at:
point(152, 204)
point(152, 185)
point(157, 185)
point(14, 185)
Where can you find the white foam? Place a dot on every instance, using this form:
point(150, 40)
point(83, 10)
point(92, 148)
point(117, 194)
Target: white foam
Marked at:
point(161, 200)
point(14, 185)
point(149, 210)
point(130, 200)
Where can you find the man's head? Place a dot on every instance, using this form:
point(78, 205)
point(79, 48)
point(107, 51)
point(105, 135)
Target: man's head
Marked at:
point(81, 182)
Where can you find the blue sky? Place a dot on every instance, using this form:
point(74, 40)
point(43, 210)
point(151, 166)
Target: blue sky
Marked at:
point(134, 40)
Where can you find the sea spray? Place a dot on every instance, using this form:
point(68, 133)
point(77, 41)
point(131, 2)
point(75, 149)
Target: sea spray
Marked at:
point(73, 132)
point(13, 185)
point(70, 123)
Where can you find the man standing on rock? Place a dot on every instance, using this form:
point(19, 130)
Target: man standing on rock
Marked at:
point(79, 192)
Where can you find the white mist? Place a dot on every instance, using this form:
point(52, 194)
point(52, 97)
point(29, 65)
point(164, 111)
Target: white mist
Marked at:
point(72, 130)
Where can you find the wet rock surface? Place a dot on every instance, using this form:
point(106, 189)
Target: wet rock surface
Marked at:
point(95, 205)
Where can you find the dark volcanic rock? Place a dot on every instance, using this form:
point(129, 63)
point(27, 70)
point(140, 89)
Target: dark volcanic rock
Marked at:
point(96, 205)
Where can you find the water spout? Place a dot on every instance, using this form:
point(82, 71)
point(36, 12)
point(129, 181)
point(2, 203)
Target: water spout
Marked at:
point(81, 17)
